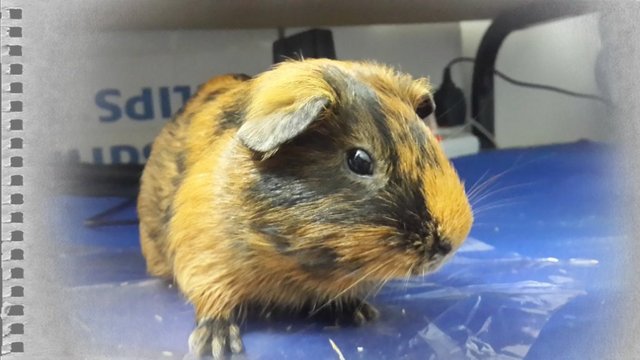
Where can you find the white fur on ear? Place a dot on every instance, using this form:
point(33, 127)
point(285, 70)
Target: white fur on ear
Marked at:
point(268, 133)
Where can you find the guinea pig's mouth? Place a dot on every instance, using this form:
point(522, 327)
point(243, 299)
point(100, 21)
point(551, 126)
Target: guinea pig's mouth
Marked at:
point(430, 265)
point(434, 252)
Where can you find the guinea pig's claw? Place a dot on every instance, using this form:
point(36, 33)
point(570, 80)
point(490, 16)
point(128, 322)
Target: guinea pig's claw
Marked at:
point(354, 312)
point(219, 337)
point(364, 312)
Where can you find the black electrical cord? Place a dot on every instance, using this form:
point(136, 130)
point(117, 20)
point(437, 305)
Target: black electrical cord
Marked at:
point(100, 219)
point(532, 85)
point(104, 180)
point(459, 60)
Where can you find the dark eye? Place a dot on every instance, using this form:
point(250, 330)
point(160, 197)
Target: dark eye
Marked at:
point(360, 162)
point(425, 108)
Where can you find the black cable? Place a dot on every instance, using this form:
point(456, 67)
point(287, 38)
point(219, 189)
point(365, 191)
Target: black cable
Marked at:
point(100, 219)
point(551, 88)
point(458, 60)
point(533, 85)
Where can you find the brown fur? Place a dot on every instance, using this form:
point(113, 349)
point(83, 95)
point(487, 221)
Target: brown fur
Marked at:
point(205, 221)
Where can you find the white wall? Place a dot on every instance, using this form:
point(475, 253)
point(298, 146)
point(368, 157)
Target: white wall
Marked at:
point(129, 62)
point(561, 53)
point(158, 61)
point(421, 50)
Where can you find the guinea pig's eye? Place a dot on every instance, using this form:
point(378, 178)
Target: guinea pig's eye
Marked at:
point(425, 108)
point(360, 162)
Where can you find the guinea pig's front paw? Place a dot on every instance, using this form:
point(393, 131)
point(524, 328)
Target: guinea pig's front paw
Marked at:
point(219, 336)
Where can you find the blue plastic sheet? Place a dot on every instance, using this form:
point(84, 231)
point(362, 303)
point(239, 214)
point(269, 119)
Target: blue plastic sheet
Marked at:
point(530, 283)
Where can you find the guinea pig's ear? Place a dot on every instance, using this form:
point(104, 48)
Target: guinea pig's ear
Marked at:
point(283, 103)
point(264, 134)
point(426, 110)
point(426, 107)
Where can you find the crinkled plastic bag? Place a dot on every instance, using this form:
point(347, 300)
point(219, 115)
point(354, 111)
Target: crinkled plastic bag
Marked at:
point(482, 305)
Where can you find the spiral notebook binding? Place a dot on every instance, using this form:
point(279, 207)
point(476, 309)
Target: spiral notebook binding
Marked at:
point(12, 271)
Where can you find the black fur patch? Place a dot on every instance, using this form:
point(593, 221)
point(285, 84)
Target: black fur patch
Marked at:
point(385, 135)
point(180, 163)
point(231, 119)
point(417, 224)
point(167, 215)
point(420, 137)
point(303, 172)
point(313, 141)
point(281, 190)
point(168, 212)
point(241, 77)
point(214, 94)
point(439, 245)
point(176, 181)
point(280, 241)
point(316, 260)
point(427, 148)
point(409, 209)
point(154, 234)
point(360, 102)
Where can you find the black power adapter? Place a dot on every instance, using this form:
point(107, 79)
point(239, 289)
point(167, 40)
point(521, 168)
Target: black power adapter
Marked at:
point(451, 106)
point(314, 43)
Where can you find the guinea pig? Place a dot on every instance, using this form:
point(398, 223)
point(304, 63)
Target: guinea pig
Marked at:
point(302, 187)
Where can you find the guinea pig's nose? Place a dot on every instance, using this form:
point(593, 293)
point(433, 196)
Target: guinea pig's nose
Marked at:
point(440, 246)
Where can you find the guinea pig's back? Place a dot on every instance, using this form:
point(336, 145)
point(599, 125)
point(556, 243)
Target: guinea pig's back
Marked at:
point(159, 181)
point(172, 152)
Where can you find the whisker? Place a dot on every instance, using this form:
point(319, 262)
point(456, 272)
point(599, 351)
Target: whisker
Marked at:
point(489, 193)
point(408, 277)
point(482, 224)
point(386, 263)
point(373, 291)
point(497, 204)
point(503, 202)
point(487, 201)
point(487, 209)
point(486, 184)
point(518, 163)
point(472, 189)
